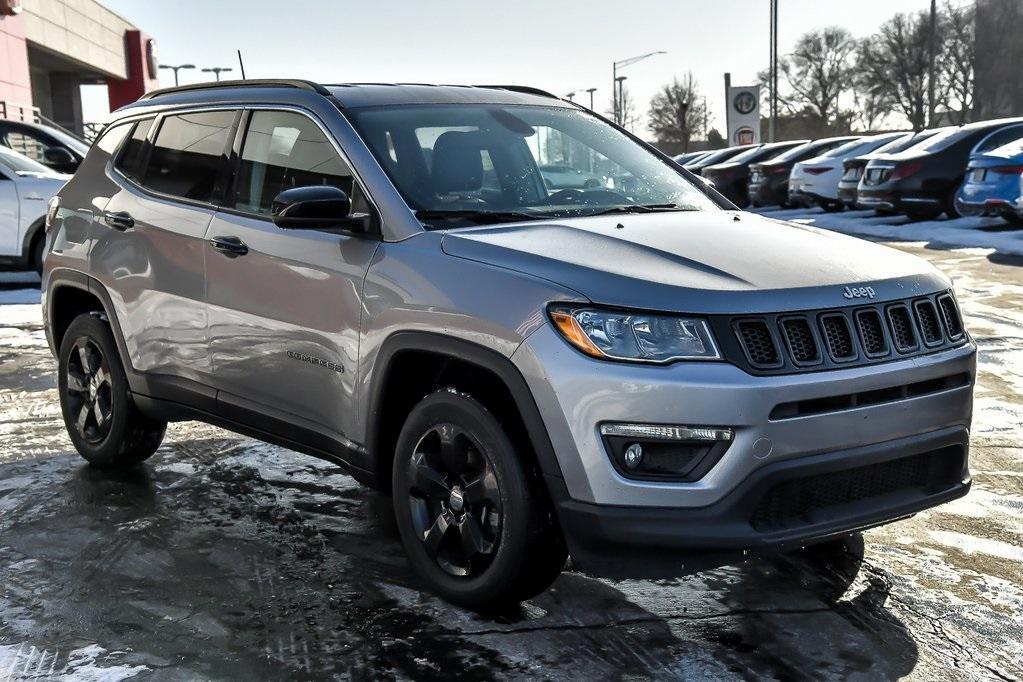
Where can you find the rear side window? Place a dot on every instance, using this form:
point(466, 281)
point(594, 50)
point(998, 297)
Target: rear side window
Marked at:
point(131, 159)
point(282, 150)
point(188, 154)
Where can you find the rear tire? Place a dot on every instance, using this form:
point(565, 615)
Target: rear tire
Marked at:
point(475, 525)
point(951, 210)
point(101, 418)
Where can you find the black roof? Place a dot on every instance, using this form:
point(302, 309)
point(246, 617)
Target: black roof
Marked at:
point(366, 94)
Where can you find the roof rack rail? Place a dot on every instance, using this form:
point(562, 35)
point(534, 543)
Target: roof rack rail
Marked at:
point(525, 89)
point(251, 83)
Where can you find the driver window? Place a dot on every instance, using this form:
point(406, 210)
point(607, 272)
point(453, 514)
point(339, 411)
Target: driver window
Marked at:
point(282, 150)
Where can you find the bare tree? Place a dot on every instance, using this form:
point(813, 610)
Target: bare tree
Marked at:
point(956, 61)
point(677, 111)
point(895, 61)
point(818, 72)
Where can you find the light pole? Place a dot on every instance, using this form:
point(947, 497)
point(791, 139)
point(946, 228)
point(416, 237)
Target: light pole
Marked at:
point(176, 69)
point(619, 106)
point(591, 91)
point(217, 70)
point(570, 95)
point(621, 64)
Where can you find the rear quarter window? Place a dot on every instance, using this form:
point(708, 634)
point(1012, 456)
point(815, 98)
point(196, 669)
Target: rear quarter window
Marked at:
point(130, 161)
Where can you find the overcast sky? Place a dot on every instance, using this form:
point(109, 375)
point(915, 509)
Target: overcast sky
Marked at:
point(558, 45)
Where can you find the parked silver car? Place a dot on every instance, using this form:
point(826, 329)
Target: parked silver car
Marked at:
point(379, 276)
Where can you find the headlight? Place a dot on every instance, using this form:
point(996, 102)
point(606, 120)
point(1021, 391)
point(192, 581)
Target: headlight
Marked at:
point(640, 337)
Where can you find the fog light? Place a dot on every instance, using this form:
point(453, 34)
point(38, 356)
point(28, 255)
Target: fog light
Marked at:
point(664, 452)
point(633, 455)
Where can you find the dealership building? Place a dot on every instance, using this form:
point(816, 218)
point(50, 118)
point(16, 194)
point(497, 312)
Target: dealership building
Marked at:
point(50, 48)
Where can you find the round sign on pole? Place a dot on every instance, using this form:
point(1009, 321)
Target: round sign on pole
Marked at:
point(744, 135)
point(745, 102)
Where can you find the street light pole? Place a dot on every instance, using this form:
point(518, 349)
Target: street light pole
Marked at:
point(591, 91)
point(773, 102)
point(570, 95)
point(176, 69)
point(620, 99)
point(217, 70)
point(615, 81)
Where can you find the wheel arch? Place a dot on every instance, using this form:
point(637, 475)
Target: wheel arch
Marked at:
point(35, 231)
point(411, 364)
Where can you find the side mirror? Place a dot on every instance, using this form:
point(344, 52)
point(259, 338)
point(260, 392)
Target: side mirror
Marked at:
point(59, 158)
point(316, 207)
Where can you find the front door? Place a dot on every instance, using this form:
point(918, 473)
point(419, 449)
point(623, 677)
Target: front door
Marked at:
point(285, 305)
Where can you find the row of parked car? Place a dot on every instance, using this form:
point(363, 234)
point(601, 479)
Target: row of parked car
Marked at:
point(974, 169)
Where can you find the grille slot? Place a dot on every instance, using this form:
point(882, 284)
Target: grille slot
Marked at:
point(799, 338)
point(950, 314)
point(877, 396)
point(758, 343)
point(822, 497)
point(902, 330)
point(838, 337)
point(927, 319)
point(871, 330)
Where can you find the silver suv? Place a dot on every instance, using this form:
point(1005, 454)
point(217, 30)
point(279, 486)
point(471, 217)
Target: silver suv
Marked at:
point(378, 275)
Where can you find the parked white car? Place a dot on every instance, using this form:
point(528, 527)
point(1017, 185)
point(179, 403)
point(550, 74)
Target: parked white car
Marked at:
point(26, 187)
point(815, 181)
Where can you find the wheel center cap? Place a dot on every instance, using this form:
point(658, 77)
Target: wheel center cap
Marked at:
point(455, 500)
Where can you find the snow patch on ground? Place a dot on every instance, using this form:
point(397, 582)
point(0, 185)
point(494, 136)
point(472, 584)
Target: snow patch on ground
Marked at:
point(980, 233)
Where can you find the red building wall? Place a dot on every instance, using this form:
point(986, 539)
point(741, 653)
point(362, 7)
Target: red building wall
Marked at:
point(141, 78)
point(15, 86)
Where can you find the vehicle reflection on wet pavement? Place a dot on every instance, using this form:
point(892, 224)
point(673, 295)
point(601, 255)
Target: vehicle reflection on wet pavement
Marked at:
point(224, 558)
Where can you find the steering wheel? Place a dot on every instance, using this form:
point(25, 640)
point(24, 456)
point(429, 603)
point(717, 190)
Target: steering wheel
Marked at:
point(587, 196)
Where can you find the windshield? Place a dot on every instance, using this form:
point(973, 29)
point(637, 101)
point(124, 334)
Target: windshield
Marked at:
point(748, 155)
point(484, 163)
point(851, 147)
point(904, 142)
point(793, 153)
point(21, 164)
point(714, 157)
point(941, 140)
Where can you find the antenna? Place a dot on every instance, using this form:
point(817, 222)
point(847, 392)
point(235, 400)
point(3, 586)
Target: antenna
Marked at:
point(241, 64)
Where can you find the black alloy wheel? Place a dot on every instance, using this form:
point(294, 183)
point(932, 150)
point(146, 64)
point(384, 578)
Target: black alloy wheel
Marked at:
point(89, 391)
point(474, 518)
point(102, 420)
point(455, 500)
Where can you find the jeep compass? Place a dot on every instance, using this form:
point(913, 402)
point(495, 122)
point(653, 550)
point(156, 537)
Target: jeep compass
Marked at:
point(380, 276)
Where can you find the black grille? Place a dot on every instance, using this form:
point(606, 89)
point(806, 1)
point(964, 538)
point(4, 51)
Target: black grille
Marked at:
point(801, 342)
point(758, 343)
point(902, 328)
point(861, 334)
point(838, 337)
point(949, 313)
point(872, 335)
point(813, 499)
point(927, 319)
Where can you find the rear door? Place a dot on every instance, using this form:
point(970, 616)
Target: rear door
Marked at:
point(285, 305)
point(151, 243)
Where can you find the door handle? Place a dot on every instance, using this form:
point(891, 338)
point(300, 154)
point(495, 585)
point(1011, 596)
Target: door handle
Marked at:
point(119, 220)
point(229, 246)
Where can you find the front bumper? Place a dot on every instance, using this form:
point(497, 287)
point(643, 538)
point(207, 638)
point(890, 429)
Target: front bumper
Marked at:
point(781, 506)
point(600, 507)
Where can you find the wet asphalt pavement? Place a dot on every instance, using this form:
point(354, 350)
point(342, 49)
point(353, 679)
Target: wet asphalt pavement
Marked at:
point(224, 558)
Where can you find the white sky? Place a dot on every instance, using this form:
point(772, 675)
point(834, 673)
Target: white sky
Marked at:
point(558, 45)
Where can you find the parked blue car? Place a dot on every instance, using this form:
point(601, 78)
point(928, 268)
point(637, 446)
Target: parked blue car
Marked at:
point(992, 184)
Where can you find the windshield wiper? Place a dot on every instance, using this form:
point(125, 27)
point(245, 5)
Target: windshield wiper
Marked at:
point(640, 208)
point(474, 216)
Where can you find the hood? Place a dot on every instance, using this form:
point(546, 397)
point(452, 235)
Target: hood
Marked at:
point(698, 261)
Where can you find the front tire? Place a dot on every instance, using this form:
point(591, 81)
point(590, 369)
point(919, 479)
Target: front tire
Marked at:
point(101, 418)
point(475, 525)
